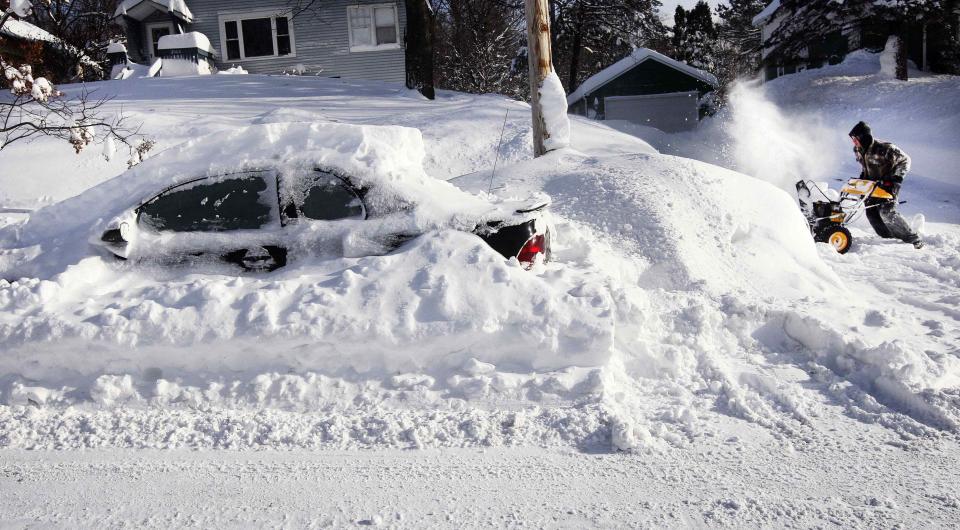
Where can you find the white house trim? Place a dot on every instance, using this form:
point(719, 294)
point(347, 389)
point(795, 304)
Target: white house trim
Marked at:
point(239, 16)
point(148, 29)
point(354, 47)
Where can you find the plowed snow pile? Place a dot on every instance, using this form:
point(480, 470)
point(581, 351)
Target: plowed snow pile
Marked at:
point(684, 302)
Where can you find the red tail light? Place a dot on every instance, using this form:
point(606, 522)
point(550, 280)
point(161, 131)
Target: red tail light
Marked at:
point(528, 254)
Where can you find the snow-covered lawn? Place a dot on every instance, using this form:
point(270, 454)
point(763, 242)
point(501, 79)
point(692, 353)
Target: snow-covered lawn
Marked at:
point(689, 357)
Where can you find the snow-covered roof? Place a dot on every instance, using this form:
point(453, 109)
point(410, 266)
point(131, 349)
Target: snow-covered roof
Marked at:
point(20, 29)
point(623, 65)
point(140, 9)
point(193, 39)
point(766, 13)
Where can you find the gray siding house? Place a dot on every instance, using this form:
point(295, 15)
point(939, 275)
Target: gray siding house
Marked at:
point(358, 39)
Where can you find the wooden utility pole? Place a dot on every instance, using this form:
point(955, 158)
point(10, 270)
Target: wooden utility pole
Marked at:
point(540, 61)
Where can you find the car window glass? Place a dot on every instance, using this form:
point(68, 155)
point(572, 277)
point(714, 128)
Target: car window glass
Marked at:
point(215, 204)
point(328, 199)
point(319, 195)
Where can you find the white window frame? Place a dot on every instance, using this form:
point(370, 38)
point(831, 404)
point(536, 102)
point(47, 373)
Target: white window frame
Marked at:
point(148, 29)
point(223, 18)
point(373, 28)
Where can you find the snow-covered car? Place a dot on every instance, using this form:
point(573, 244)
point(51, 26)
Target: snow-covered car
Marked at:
point(261, 218)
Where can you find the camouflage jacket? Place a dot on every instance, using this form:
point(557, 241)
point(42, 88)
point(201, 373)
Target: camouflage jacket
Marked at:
point(883, 161)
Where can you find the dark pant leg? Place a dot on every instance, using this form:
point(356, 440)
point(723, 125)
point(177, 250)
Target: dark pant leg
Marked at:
point(876, 221)
point(896, 225)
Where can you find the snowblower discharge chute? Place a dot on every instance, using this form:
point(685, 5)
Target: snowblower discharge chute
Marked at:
point(828, 219)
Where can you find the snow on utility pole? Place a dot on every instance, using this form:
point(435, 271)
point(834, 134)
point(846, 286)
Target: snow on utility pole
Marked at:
point(548, 101)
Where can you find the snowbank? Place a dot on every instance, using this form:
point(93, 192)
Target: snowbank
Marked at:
point(233, 70)
point(183, 67)
point(693, 225)
point(445, 299)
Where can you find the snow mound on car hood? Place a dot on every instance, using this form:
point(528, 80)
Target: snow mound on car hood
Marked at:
point(387, 157)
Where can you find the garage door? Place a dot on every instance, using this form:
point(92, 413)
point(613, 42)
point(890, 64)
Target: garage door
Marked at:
point(668, 112)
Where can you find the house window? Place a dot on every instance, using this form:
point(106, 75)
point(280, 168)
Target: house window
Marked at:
point(780, 71)
point(373, 27)
point(253, 36)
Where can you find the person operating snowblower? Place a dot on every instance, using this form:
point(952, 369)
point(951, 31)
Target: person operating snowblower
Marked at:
point(885, 164)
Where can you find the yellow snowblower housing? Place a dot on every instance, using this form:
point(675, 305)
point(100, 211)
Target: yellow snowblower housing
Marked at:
point(864, 187)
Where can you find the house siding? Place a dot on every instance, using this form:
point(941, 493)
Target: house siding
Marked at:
point(320, 38)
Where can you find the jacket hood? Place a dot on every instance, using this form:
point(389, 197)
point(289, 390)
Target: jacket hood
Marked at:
point(862, 132)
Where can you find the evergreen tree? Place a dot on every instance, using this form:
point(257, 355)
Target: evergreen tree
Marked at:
point(589, 35)
point(695, 37)
point(738, 34)
point(813, 20)
point(702, 37)
point(679, 34)
point(739, 43)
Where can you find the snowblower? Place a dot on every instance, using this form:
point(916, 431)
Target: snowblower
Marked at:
point(829, 218)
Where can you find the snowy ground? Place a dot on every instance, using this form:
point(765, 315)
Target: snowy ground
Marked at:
point(690, 357)
point(846, 485)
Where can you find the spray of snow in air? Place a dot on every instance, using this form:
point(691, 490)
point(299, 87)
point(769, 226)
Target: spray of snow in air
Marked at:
point(774, 146)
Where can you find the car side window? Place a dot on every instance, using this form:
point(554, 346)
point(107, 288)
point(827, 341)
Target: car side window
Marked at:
point(321, 196)
point(215, 204)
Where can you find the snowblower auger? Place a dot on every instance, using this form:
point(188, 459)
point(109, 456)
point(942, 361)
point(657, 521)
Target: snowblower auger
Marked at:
point(828, 219)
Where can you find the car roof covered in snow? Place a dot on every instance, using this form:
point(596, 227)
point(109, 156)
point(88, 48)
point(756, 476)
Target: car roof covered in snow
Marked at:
point(623, 65)
point(384, 158)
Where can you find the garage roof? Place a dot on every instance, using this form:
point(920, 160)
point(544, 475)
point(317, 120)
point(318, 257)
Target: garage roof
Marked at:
point(623, 65)
point(767, 12)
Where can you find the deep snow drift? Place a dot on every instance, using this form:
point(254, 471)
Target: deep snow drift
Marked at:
point(686, 303)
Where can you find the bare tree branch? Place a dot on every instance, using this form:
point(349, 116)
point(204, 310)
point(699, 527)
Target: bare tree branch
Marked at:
point(35, 108)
